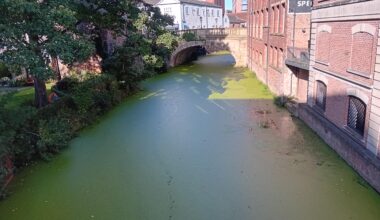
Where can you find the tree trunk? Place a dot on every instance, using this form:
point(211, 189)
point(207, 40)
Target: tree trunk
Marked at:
point(40, 93)
point(56, 67)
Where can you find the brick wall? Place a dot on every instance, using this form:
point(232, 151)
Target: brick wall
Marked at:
point(352, 152)
point(342, 52)
point(345, 48)
point(267, 41)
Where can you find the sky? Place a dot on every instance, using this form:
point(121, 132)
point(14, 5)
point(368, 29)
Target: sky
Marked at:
point(228, 4)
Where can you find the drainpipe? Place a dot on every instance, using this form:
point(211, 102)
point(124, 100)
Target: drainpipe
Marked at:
point(268, 31)
point(294, 40)
point(309, 45)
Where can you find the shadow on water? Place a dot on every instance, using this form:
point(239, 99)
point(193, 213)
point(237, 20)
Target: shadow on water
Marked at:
point(198, 143)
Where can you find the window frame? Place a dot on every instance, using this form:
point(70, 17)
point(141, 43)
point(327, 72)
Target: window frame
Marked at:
point(360, 131)
point(321, 106)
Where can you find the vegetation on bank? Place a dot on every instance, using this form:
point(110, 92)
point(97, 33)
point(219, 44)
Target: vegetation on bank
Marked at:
point(69, 30)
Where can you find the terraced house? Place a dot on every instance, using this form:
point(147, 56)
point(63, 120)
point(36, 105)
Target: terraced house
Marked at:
point(194, 14)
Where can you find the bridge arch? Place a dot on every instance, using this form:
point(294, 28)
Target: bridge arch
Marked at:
point(213, 40)
point(187, 51)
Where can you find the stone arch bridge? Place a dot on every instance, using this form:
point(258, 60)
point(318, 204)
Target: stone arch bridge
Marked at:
point(213, 40)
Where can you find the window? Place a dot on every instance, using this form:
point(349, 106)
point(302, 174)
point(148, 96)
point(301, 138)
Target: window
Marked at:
point(167, 10)
point(244, 5)
point(261, 24)
point(272, 22)
point(265, 53)
point(283, 17)
point(320, 98)
point(277, 22)
point(198, 11)
point(212, 13)
point(362, 52)
point(323, 47)
point(258, 24)
point(280, 58)
point(275, 57)
point(187, 10)
point(218, 13)
point(356, 114)
point(271, 55)
point(322, 54)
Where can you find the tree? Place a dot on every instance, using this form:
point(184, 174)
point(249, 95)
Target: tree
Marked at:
point(33, 31)
point(148, 43)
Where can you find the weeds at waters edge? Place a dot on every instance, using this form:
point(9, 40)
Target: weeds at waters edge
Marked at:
point(280, 101)
point(28, 134)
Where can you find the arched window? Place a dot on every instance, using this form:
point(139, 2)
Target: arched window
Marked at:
point(322, 54)
point(362, 52)
point(356, 114)
point(320, 98)
point(275, 57)
point(323, 47)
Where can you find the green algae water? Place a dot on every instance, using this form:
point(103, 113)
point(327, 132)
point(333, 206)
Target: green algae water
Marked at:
point(202, 142)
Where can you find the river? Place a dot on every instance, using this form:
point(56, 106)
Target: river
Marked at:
point(201, 142)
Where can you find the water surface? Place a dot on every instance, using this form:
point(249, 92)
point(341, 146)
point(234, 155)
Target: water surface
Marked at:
point(202, 142)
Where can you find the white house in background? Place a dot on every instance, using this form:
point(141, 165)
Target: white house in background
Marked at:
point(193, 14)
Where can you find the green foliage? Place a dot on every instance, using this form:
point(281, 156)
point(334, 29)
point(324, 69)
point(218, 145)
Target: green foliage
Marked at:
point(49, 30)
point(54, 134)
point(28, 133)
point(4, 72)
point(189, 36)
point(148, 45)
point(35, 31)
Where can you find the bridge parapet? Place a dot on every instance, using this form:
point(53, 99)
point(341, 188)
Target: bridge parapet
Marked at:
point(217, 39)
point(216, 32)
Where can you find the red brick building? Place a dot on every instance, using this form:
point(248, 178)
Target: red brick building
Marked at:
point(337, 86)
point(344, 83)
point(274, 35)
point(239, 6)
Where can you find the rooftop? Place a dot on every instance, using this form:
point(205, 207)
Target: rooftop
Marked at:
point(235, 19)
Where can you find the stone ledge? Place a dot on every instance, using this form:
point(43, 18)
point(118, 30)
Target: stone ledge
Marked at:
point(345, 2)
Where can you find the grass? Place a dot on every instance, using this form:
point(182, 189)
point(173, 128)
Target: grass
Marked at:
point(221, 52)
point(22, 96)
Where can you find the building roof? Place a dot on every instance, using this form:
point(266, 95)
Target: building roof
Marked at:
point(193, 2)
point(234, 19)
point(242, 16)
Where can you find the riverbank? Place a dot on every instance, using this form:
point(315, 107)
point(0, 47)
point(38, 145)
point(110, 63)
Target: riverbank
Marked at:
point(28, 134)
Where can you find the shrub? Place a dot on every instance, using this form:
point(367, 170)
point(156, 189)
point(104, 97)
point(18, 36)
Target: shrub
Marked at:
point(27, 133)
point(4, 72)
point(189, 36)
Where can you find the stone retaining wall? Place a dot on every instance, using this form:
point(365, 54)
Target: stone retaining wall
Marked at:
point(354, 153)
